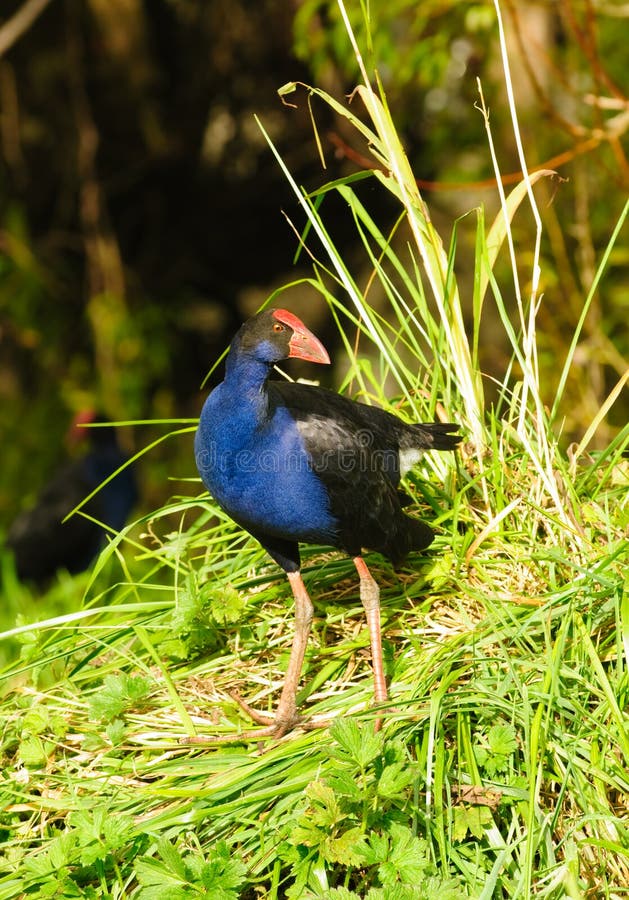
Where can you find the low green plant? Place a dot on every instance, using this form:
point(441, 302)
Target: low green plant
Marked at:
point(353, 825)
point(174, 875)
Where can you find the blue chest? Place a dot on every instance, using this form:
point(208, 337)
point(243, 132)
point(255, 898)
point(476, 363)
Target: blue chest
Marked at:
point(254, 463)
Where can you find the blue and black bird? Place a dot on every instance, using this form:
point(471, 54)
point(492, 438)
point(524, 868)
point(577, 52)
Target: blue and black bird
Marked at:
point(293, 463)
point(41, 542)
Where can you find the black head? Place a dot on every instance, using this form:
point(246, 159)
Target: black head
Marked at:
point(277, 334)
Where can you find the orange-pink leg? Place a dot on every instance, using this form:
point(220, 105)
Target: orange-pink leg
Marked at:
point(286, 714)
point(370, 599)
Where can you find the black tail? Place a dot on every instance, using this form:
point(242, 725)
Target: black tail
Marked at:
point(412, 534)
point(441, 435)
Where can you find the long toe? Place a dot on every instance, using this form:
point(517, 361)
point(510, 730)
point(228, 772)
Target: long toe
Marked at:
point(283, 721)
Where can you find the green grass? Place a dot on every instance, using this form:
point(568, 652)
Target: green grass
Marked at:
point(502, 768)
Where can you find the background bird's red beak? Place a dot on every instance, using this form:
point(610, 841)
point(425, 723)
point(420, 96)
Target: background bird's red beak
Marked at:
point(77, 434)
point(303, 344)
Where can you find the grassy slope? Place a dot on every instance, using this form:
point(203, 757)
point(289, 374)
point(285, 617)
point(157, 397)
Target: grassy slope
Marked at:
point(502, 768)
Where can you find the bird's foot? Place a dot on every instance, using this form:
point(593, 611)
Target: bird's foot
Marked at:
point(284, 719)
point(282, 722)
point(252, 734)
point(273, 727)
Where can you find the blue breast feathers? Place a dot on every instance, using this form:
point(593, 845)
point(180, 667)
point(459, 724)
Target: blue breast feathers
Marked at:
point(254, 463)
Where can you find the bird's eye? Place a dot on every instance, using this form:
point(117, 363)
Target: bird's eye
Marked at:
point(277, 327)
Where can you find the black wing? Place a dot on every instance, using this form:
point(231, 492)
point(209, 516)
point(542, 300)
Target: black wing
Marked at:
point(355, 451)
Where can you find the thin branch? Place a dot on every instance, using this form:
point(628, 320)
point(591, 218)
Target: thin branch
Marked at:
point(13, 30)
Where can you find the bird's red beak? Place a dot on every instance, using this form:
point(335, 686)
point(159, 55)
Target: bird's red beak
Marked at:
point(303, 344)
point(77, 433)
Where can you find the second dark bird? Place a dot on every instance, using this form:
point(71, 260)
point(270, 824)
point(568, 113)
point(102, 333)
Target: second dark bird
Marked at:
point(42, 543)
point(292, 463)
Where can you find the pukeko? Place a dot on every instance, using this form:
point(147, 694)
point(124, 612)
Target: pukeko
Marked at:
point(294, 463)
point(41, 542)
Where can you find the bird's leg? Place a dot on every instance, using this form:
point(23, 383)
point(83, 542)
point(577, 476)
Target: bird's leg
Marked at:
point(370, 599)
point(286, 713)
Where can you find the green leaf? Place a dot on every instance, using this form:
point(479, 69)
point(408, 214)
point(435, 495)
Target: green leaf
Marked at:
point(361, 743)
point(117, 694)
point(157, 883)
point(400, 856)
point(118, 829)
point(436, 888)
point(34, 752)
point(222, 873)
point(305, 834)
point(376, 849)
point(35, 721)
point(115, 731)
point(345, 849)
point(60, 852)
point(227, 605)
point(470, 820)
point(394, 779)
point(345, 785)
point(99, 833)
point(494, 753)
point(481, 755)
point(502, 739)
point(439, 573)
point(172, 859)
point(187, 609)
point(325, 809)
point(218, 876)
point(408, 858)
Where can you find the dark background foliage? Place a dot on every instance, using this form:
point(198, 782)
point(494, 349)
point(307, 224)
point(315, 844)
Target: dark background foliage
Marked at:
point(141, 211)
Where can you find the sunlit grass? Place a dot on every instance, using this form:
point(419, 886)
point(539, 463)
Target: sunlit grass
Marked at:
point(502, 767)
